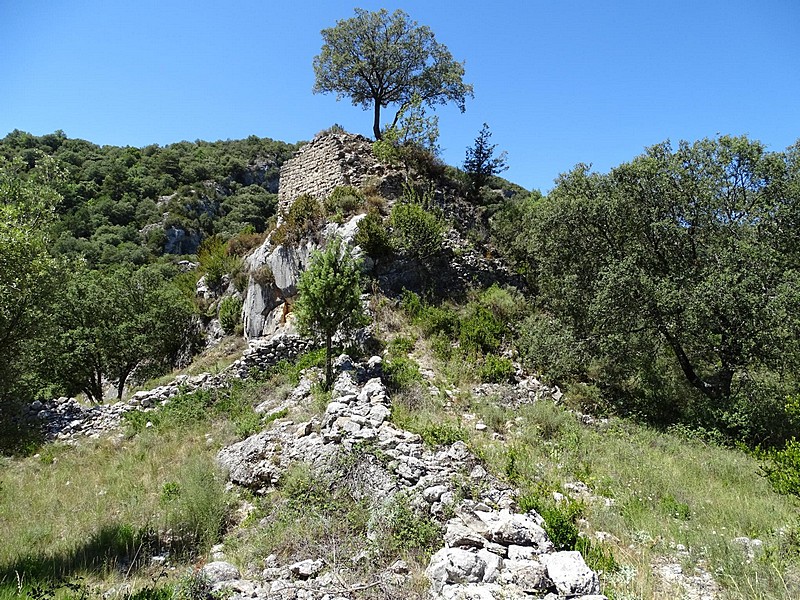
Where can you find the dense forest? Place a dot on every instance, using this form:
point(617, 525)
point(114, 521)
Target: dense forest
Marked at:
point(92, 238)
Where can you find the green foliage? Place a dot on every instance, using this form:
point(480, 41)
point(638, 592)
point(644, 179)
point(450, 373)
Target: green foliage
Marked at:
point(495, 369)
point(230, 313)
point(243, 242)
point(216, 262)
point(674, 275)
point(329, 297)
point(480, 164)
point(111, 194)
point(782, 468)
point(415, 230)
point(380, 59)
point(372, 235)
point(411, 531)
point(401, 372)
point(559, 518)
point(303, 219)
point(27, 270)
point(481, 330)
point(198, 507)
point(345, 200)
point(121, 325)
point(411, 141)
point(400, 345)
point(440, 433)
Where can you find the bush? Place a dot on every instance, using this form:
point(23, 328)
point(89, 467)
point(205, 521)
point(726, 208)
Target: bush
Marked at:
point(244, 242)
point(783, 468)
point(416, 231)
point(481, 330)
point(496, 369)
point(400, 372)
point(440, 433)
point(230, 313)
point(409, 530)
point(197, 506)
point(212, 259)
point(303, 219)
point(373, 236)
point(345, 200)
point(548, 346)
point(559, 518)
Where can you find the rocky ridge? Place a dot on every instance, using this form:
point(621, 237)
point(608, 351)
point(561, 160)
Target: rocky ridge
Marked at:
point(491, 550)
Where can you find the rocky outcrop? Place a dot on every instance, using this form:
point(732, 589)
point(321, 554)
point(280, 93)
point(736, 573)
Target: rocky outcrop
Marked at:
point(331, 160)
point(274, 274)
point(491, 551)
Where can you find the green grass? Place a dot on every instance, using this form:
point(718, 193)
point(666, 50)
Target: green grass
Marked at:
point(664, 489)
point(100, 509)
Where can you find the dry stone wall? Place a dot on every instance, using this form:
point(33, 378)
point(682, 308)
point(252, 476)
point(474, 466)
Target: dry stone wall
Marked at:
point(331, 160)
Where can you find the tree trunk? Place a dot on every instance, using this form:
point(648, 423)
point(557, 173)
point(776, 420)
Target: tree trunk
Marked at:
point(121, 385)
point(376, 123)
point(328, 366)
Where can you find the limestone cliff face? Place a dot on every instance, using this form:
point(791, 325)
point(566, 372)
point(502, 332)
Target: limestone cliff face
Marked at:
point(328, 161)
point(275, 272)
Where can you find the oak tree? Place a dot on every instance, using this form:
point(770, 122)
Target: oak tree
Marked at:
point(377, 59)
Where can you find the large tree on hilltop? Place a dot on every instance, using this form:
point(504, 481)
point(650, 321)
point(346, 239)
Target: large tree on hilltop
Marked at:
point(380, 59)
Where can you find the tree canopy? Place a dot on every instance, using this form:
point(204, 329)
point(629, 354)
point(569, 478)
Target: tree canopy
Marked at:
point(119, 325)
point(377, 59)
point(682, 263)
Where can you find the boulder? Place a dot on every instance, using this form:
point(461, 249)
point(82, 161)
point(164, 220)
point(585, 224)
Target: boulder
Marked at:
point(570, 574)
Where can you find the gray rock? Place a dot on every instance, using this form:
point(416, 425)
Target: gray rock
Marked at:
point(529, 575)
point(453, 565)
point(458, 535)
point(306, 569)
point(569, 573)
point(217, 571)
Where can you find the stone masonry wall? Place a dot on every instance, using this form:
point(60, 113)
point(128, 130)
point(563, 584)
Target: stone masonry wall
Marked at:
point(328, 161)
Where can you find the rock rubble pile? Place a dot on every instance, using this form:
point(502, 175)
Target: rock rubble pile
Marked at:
point(491, 550)
point(67, 419)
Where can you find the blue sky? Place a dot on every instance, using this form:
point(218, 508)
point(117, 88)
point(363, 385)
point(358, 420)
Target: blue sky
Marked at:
point(559, 82)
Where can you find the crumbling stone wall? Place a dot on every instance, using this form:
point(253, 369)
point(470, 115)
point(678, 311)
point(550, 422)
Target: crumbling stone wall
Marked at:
point(331, 160)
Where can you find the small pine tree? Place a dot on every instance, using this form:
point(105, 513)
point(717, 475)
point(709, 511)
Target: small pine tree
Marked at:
point(479, 163)
point(329, 299)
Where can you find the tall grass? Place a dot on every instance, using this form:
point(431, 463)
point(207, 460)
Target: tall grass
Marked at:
point(654, 492)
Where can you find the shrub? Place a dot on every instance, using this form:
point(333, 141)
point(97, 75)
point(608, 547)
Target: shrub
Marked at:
point(211, 257)
point(440, 433)
point(244, 242)
point(481, 330)
point(373, 236)
point(230, 313)
point(416, 231)
point(263, 275)
point(495, 369)
point(549, 346)
point(783, 468)
point(559, 518)
point(197, 506)
point(344, 200)
point(409, 530)
point(400, 372)
point(303, 219)
point(401, 345)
